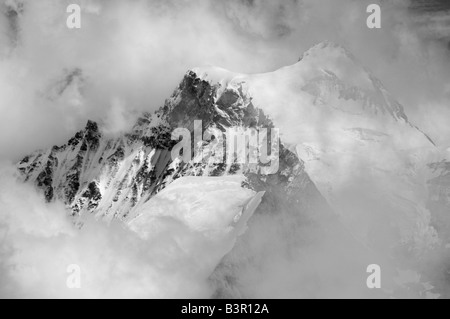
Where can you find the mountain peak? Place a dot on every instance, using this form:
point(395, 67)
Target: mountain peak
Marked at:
point(325, 48)
point(324, 95)
point(113, 176)
point(328, 73)
point(91, 126)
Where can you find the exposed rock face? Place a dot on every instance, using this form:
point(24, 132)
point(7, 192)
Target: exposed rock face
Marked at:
point(111, 177)
point(355, 142)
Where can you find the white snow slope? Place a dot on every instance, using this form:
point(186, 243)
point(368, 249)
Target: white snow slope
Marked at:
point(359, 148)
point(376, 170)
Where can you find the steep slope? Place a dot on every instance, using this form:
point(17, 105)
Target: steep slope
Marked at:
point(350, 190)
point(355, 139)
point(367, 160)
point(112, 177)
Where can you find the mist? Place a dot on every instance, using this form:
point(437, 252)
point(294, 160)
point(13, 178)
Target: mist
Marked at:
point(39, 243)
point(54, 78)
point(127, 58)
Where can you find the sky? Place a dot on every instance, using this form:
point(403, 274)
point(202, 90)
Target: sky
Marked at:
point(128, 57)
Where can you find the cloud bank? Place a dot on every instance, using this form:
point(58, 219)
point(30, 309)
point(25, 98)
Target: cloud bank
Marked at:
point(128, 57)
point(53, 78)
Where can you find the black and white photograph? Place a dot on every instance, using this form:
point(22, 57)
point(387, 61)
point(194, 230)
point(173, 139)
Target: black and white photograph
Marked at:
point(224, 154)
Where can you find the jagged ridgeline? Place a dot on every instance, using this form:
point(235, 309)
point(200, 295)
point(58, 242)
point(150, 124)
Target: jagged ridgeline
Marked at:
point(363, 161)
point(110, 177)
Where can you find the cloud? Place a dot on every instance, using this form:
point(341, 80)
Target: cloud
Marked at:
point(129, 56)
point(170, 258)
point(137, 52)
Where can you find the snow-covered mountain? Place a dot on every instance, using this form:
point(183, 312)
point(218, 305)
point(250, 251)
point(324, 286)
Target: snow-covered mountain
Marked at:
point(361, 151)
point(346, 127)
point(112, 177)
point(351, 164)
